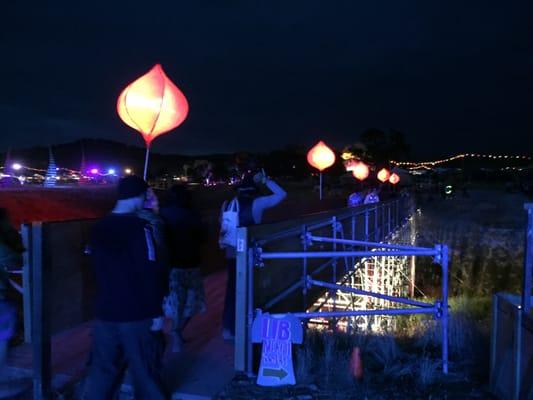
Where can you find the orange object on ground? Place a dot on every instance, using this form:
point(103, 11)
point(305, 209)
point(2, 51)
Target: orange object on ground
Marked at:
point(356, 364)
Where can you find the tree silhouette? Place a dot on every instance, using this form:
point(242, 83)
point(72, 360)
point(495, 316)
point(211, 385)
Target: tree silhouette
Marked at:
point(382, 147)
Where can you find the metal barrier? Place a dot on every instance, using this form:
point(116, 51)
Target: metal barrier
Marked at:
point(369, 228)
point(511, 361)
point(57, 288)
point(528, 261)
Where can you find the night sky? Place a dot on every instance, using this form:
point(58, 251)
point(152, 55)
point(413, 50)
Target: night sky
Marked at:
point(452, 75)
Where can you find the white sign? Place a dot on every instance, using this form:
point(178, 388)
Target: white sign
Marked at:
point(277, 334)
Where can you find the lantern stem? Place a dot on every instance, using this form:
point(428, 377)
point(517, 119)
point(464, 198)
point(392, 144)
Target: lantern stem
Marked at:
point(146, 161)
point(320, 184)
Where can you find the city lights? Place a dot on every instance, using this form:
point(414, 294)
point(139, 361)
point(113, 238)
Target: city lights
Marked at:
point(16, 167)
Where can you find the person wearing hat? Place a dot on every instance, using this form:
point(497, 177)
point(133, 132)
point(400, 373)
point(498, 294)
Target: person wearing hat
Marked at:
point(251, 207)
point(131, 283)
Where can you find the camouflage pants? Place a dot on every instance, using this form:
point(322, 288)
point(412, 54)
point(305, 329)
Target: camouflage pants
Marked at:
point(186, 296)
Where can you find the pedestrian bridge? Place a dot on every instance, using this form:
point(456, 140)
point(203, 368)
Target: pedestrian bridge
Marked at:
point(350, 269)
point(346, 269)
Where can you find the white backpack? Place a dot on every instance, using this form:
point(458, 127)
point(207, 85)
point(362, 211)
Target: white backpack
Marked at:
point(229, 222)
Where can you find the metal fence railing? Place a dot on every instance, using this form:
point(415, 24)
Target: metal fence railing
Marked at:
point(511, 362)
point(297, 260)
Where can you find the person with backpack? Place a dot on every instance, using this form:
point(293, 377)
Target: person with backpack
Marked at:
point(185, 235)
point(245, 209)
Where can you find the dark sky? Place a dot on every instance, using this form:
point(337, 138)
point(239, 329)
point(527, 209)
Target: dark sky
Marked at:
point(453, 75)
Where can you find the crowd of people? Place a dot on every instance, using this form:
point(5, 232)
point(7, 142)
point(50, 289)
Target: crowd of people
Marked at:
point(146, 260)
point(368, 196)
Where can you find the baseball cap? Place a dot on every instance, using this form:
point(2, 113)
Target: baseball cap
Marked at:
point(131, 186)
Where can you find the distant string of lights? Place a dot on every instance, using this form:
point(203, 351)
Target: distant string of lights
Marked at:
point(513, 169)
point(429, 164)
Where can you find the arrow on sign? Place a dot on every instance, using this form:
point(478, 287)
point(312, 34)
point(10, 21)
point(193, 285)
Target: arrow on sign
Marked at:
point(277, 373)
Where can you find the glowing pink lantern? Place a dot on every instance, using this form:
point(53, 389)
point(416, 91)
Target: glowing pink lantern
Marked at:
point(152, 105)
point(383, 175)
point(321, 157)
point(394, 179)
point(361, 171)
point(350, 165)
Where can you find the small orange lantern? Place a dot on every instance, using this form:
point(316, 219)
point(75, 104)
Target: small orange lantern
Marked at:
point(383, 175)
point(152, 105)
point(394, 179)
point(361, 171)
point(321, 157)
point(350, 165)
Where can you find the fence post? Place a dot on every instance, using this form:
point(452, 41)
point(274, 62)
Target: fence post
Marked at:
point(412, 284)
point(389, 221)
point(494, 342)
point(398, 224)
point(26, 280)
point(250, 313)
point(334, 228)
point(40, 319)
point(383, 235)
point(352, 262)
point(528, 261)
point(367, 228)
point(517, 352)
point(445, 314)
point(241, 303)
point(304, 267)
point(376, 229)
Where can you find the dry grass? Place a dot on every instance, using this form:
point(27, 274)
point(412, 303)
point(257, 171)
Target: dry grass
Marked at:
point(409, 358)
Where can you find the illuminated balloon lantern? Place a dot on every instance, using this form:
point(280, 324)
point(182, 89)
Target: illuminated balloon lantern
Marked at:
point(394, 179)
point(360, 171)
point(383, 175)
point(152, 105)
point(350, 165)
point(321, 157)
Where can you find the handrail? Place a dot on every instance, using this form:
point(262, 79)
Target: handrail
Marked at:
point(345, 213)
point(381, 223)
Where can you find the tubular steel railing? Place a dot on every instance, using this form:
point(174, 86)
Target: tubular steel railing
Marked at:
point(511, 358)
point(527, 277)
point(381, 222)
